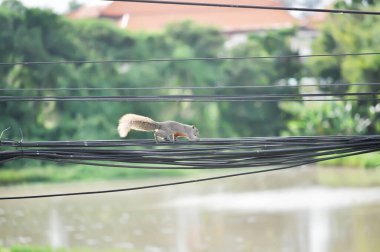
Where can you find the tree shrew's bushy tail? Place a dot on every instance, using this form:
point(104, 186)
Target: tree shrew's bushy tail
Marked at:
point(135, 122)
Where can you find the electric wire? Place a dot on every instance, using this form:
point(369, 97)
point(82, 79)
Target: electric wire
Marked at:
point(266, 153)
point(208, 153)
point(136, 188)
point(29, 63)
point(261, 7)
point(323, 85)
point(199, 98)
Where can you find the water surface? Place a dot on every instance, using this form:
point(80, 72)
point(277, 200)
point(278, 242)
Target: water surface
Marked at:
point(278, 211)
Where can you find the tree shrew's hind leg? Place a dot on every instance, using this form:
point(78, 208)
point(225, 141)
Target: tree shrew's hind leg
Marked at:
point(161, 134)
point(155, 137)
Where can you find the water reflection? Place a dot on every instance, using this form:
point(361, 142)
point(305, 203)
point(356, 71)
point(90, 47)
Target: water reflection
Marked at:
point(56, 232)
point(281, 211)
point(318, 229)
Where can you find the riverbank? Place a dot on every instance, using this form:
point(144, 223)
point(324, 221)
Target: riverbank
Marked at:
point(69, 173)
point(361, 170)
point(366, 161)
point(46, 249)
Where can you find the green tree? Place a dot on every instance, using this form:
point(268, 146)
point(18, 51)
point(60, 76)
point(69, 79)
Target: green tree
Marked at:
point(40, 35)
point(74, 5)
point(259, 118)
point(322, 118)
point(32, 35)
point(350, 33)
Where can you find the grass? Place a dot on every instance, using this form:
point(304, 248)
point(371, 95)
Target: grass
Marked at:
point(365, 164)
point(48, 249)
point(368, 161)
point(361, 170)
point(339, 177)
point(55, 173)
point(37, 249)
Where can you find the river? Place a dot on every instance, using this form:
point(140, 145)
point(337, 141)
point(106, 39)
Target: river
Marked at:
point(277, 211)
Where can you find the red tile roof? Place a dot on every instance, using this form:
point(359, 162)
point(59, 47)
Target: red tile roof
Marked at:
point(316, 20)
point(153, 17)
point(86, 12)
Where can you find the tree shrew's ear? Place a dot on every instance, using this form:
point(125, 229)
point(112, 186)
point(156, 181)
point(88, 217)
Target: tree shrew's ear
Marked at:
point(193, 126)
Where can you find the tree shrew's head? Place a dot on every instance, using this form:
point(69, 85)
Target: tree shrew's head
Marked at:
point(194, 133)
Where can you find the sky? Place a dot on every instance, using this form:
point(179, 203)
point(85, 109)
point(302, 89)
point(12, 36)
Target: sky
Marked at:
point(58, 6)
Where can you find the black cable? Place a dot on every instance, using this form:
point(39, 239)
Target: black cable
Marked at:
point(139, 187)
point(110, 99)
point(208, 153)
point(189, 87)
point(261, 7)
point(275, 153)
point(204, 159)
point(184, 59)
point(196, 98)
point(165, 184)
point(205, 141)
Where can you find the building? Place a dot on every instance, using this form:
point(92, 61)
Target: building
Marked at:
point(234, 22)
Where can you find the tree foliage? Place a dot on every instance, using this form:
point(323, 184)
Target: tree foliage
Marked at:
point(351, 33)
point(29, 34)
point(39, 35)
